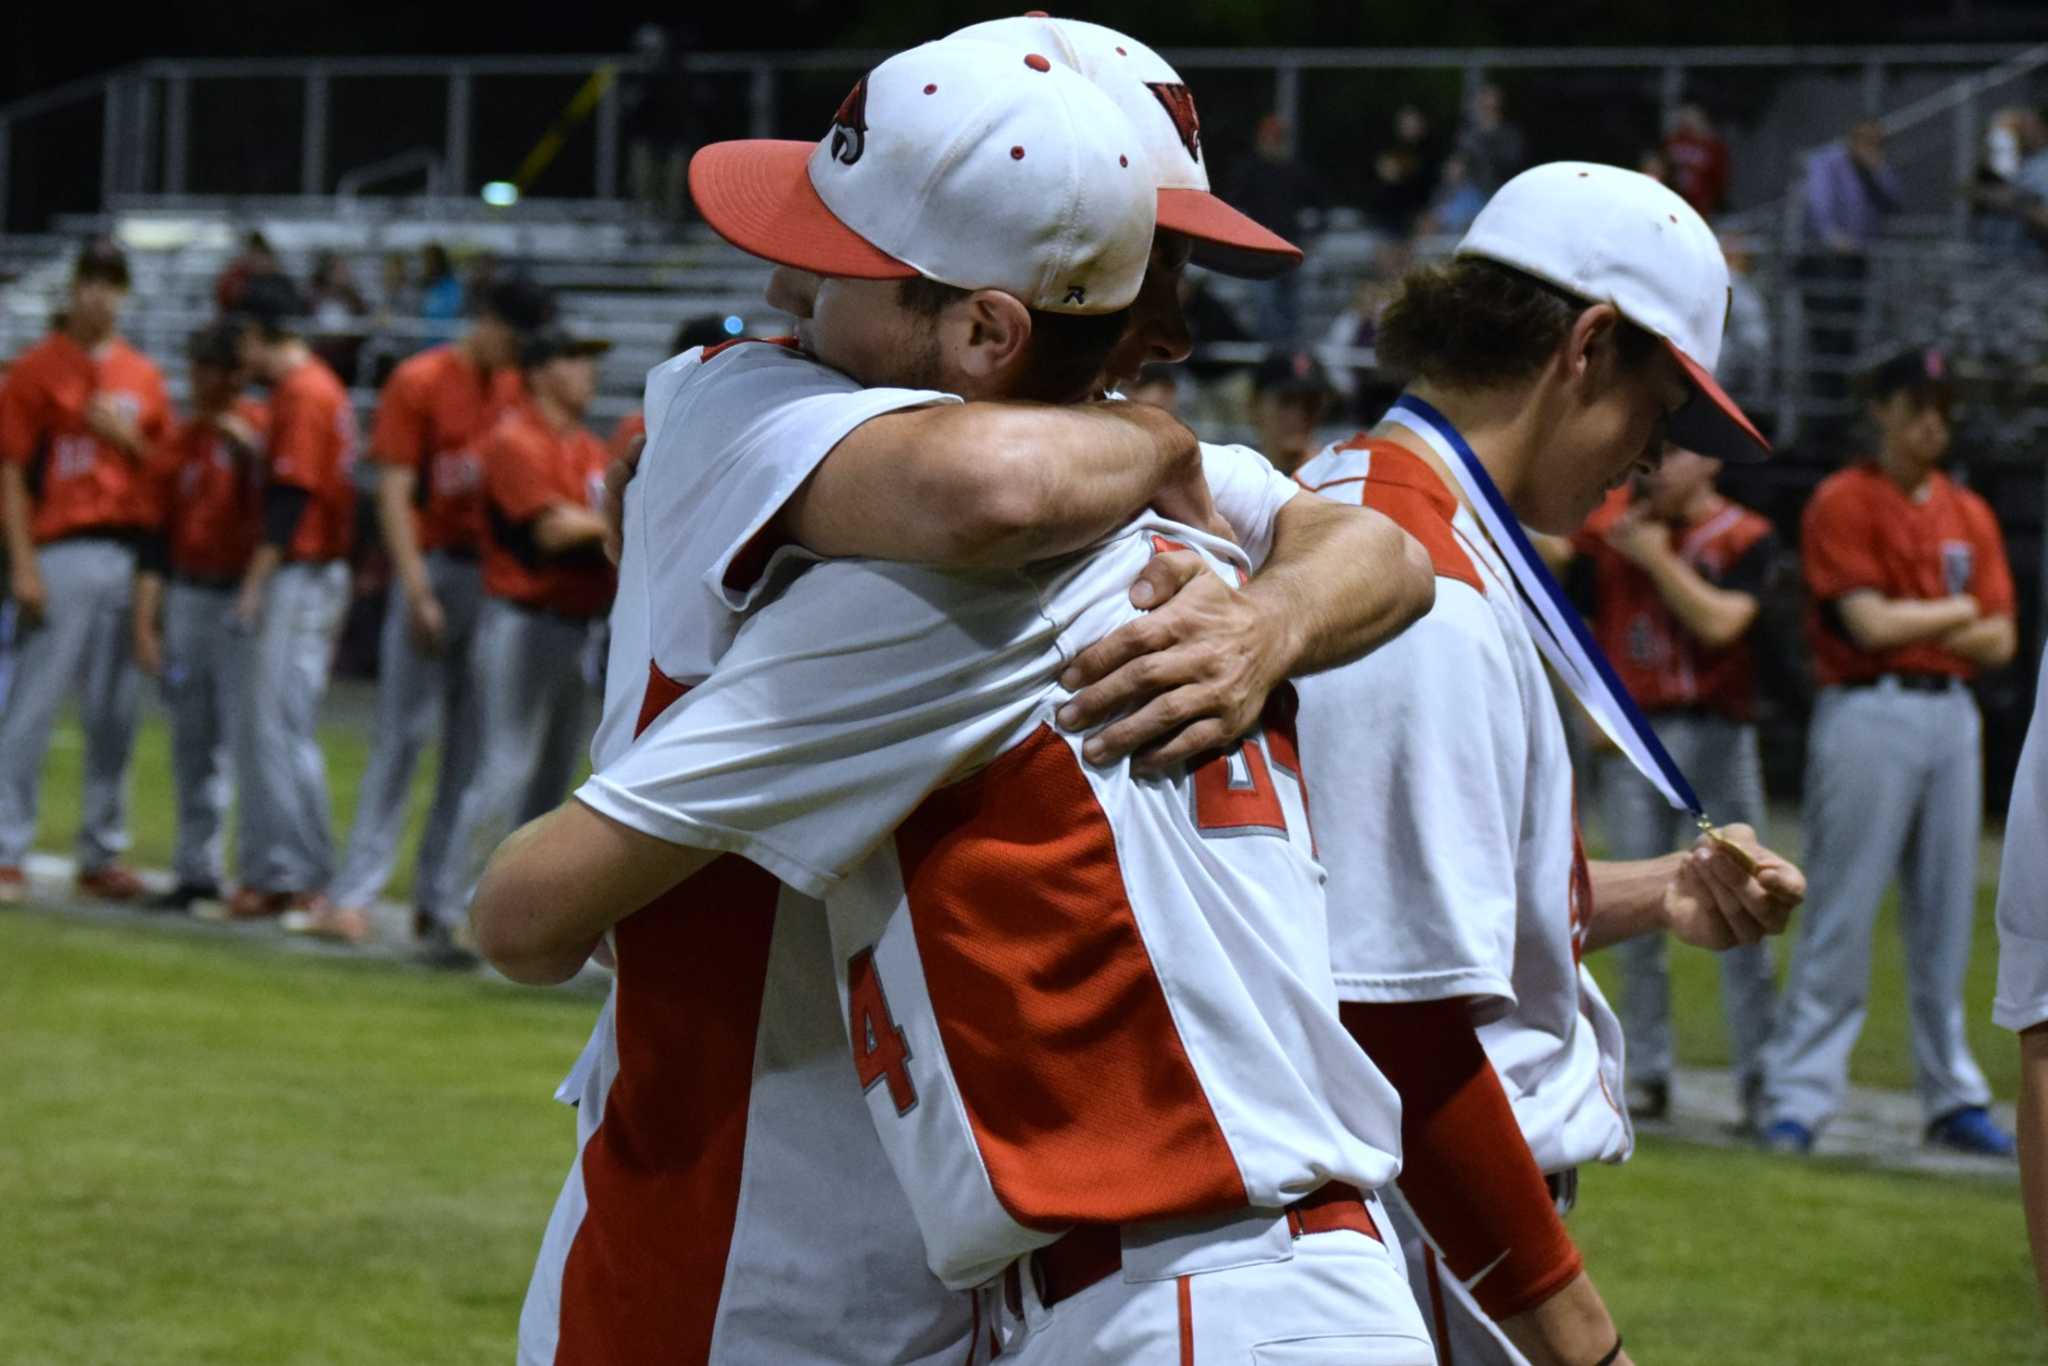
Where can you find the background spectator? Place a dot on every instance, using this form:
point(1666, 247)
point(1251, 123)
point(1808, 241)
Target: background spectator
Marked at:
point(1364, 392)
point(1698, 159)
point(1494, 149)
point(1457, 200)
point(1286, 196)
point(2008, 196)
point(1290, 396)
point(441, 291)
point(1849, 191)
point(1650, 162)
point(1403, 175)
point(338, 308)
point(256, 258)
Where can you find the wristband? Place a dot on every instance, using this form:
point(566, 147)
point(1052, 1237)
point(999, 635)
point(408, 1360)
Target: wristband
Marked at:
point(1613, 1353)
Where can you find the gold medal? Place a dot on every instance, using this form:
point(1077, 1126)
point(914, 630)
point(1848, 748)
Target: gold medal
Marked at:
point(1735, 851)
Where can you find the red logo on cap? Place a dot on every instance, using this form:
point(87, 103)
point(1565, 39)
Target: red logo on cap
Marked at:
point(1937, 365)
point(850, 125)
point(1180, 107)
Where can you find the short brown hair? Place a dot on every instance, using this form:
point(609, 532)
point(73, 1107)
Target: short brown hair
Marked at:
point(1068, 350)
point(1471, 323)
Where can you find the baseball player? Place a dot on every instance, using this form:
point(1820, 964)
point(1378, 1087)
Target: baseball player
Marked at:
point(1911, 598)
point(288, 609)
point(435, 409)
point(81, 416)
point(2022, 1004)
point(546, 586)
point(652, 1086)
point(184, 636)
point(1574, 330)
point(1678, 575)
point(1109, 1109)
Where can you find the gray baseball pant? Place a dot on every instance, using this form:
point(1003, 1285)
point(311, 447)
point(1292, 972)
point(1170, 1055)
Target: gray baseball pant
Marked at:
point(413, 688)
point(533, 703)
point(1894, 780)
point(282, 835)
point(80, 650)
point(203, 693)
point(1721, 758)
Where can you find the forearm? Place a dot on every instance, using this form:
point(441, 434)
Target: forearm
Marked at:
point(149, 600)
point(553, 889)
point(988, 485)
point(1987, 642)
point(1875, 622)
point(1340, 582)
point(2033, 1136)
point(262, 565)
point(1570, 1328)
point(15, 514)
point(566, 527)
point(395, 485)
point(1628, 898)
point(1715, 617)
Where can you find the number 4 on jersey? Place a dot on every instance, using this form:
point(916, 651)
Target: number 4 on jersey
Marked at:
point(879, 1049)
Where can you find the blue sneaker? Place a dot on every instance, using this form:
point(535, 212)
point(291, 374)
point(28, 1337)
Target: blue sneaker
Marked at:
point(1787, 1136)
point(1971, 1130)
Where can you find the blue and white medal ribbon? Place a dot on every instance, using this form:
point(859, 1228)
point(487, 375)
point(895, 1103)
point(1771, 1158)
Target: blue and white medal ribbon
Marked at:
point(1555, 624)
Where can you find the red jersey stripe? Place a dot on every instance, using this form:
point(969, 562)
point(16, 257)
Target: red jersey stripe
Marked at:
point(1400, 485)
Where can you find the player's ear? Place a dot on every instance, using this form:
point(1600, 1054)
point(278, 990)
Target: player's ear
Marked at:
point(998, 335)
point(1581, 355)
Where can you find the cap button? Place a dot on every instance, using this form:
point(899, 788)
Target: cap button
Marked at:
point(1016, 154)
point(1037, 63)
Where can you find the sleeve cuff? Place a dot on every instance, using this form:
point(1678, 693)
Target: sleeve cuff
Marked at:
point(610, 800)
point(1490, 995)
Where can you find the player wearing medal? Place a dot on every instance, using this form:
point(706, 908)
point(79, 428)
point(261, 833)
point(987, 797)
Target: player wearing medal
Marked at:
point(1911, 598)
point(1568, 340)
point(2022, 1004)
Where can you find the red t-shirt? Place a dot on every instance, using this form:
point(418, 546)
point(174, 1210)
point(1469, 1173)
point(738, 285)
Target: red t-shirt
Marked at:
point(213, 498)
point(312, 446)
point(435, 410)
point(1699, 170)
point(77, 482)
point(1862, 531)
point(529, 467)
point(1662, 664)
point(631, 428)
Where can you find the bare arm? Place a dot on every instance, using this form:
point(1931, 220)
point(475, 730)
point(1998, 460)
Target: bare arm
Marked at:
point(996, 485)
point(1703, 896)
point(1341, 580)
point(554, 888)
point(1713, 616)
point(25, 579)
point(147, 618)
point(255, 580)
point(395, 490)
point(566, 527)
point(1876, 622)
point(2033, 1126)
point(1987, 642)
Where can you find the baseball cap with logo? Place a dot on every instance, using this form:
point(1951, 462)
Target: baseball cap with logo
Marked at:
point(1922, 369)
point(1618, 237)
point(1162, 111)
point(554, 343)
point(964, 162)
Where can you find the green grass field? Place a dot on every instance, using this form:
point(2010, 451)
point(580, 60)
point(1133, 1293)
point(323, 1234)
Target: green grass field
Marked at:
point(216, 1152)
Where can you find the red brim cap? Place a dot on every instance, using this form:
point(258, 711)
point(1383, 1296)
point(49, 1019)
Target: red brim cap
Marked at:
point(1712, 423)
point(1225, 240)
point(757, 195)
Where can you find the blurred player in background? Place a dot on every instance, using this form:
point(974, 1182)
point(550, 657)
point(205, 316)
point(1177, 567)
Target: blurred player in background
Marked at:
point(1678, 575)
point(1291, 394)
point(82, 415)
point(547, 585)
point(184, 628)
point(1911, 599)
point(435, 410)
point(288, 609)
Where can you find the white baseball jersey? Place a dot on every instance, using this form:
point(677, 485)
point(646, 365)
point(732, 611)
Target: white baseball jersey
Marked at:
point(729, 1201)
point(2022, 1000)
point(1072, 994)
point(1443, 792)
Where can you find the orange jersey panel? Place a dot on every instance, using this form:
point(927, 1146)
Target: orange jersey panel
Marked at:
point(1401, 486)
point(77, 482)
point(1862, 531)
point(530, 467)
point(1657, 659)
point(431, 418)
point(213, 497)
point(312, 446)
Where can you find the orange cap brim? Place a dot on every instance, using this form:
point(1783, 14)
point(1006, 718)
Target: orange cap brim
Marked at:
point(1713, 423)
point(757, 195)
point(1226, 240)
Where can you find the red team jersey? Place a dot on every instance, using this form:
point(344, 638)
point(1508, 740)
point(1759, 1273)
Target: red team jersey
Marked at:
point(78, 483)
point(1660, 662)
point(213, 498)
point(435, 411)
point(312, 446)
point(631, 428)
point(530, 467)
point(1862, 531)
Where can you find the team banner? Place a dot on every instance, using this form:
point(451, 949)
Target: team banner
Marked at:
point(1556, 625)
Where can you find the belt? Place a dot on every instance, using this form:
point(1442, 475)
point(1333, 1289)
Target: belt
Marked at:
point(466, 554)
point(213, 583)
point(1093, 1253)
point(1917, 682)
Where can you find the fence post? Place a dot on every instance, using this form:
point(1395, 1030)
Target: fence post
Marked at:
point(608, 139)
point(110, 143)
point(1965, 134)
point(761, 102)
point(177, 131)
point(1792, 380)
point(1287, 97)
point(1873, 89)
point(6, 200)
point(313, 136)
point(1670, 94)
point(458, 131)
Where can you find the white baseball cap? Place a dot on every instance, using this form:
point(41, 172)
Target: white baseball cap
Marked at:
point(967, 163)
point(1618, 237)
point(1162, 110)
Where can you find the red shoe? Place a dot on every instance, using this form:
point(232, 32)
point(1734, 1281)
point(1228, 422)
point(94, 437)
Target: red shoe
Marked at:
point(253, 903)
point(112, 883)
point(13, 886)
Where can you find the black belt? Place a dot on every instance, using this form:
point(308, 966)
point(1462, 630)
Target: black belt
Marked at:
point(467, 554)
point(1915, 682)
point(213, 583)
